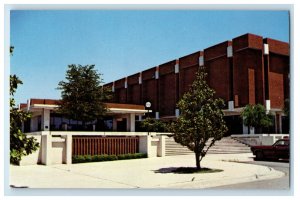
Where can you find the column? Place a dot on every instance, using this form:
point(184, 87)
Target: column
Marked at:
point(45, 123)
point(46, 149)
point(68, 142)
point(132, 122)
point(161, 146)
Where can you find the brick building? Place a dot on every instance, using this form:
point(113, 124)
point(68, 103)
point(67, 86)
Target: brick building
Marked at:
point(249, 69)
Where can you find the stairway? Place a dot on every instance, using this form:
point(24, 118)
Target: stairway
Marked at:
point(226, 145)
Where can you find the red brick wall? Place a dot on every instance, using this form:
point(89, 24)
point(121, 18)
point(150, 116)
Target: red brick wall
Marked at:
point(218, 69)
point(188, 67)
point(134, 89)
point(241, 77)
point(278, 47)
point(242, 60)
point(247, 54)
point(278, 74)
point(218, 77)
point(134, 94)
point(167, 89)
point(276, 90)
point(216, 50)
point(251, 86)
point(149, 88)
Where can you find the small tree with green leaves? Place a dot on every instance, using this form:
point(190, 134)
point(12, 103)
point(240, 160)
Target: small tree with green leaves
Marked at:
point(201, 122)
point(256, 116)
point(82, 94)
point(153, 125)
point(20, 144)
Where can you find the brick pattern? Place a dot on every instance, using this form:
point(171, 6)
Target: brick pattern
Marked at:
point(248, 76)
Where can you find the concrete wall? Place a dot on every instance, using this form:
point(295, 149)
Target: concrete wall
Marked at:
point(56, 146)
point(259, 139)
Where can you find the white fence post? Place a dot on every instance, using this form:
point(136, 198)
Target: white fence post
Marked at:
point(68, 147)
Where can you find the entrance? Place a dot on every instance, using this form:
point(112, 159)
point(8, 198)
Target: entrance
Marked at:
point(121, 125)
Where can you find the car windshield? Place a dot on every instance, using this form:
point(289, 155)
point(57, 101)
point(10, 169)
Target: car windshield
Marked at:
point(281, 143)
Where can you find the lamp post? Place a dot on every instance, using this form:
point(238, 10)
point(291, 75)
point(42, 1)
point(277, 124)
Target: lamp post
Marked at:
point(148, 105)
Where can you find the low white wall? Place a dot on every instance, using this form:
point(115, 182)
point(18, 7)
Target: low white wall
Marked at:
point(259, 139)
point(58, 151)
point(56, 146)
point(154, 146)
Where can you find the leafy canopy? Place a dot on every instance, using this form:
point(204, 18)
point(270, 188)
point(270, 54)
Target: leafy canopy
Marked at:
point(82, 94)
point(256, 116)
point(201, 118)
point(153, 125)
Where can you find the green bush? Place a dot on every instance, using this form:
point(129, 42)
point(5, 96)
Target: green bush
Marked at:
point(100, 158)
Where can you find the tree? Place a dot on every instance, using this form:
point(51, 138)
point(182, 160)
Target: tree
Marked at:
point(153, 125)
point(20, 144)
point(256, 116)
point(201, 118)
point(82, 94)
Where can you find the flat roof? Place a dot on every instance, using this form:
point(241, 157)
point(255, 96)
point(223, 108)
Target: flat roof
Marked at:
point(52, 104)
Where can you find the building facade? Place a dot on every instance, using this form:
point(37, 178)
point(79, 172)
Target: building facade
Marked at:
point(249, 69)
point(119, 117)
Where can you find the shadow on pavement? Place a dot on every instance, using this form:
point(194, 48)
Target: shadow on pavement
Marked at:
point(166, 170)
point(13, 186)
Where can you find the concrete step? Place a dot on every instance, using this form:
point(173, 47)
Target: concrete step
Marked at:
point(224, 146)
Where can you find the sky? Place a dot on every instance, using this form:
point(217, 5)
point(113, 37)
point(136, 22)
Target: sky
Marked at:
point(120, 42)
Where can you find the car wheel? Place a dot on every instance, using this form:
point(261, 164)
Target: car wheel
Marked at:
point(259, 155)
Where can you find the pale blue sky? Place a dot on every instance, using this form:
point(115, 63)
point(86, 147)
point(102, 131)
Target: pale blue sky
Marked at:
point(121, 43)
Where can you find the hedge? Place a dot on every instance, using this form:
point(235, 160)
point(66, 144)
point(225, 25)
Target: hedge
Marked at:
point(100, 158)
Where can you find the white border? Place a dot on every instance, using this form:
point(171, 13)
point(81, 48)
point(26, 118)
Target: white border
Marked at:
point(163, 5)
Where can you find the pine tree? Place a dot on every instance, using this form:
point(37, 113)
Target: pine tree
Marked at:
point(201, 118)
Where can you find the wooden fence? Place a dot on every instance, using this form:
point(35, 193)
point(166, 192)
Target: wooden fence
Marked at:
point(97, 145)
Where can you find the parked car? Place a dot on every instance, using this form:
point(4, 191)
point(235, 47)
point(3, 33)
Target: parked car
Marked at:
point(280, 149)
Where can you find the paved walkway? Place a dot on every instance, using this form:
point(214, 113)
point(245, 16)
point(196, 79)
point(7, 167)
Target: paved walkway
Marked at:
point(142, 173)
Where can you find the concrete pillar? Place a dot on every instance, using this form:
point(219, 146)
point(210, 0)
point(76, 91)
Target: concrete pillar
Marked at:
point(45, 120)
point(114, 124)
point(68, 158)
point(161, 151)
point(132, 122)
point(140, 117)
point(145, 146)
point(46, 149)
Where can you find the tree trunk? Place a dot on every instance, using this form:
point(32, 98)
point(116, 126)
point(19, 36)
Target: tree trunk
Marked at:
point(198, 160)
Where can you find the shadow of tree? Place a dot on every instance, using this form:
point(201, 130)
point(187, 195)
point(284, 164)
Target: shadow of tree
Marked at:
point(166, 170)
point(13, 186)
point(185, 170)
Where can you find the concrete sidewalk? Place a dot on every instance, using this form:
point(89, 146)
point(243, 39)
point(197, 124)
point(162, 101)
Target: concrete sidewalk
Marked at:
point(142, 173)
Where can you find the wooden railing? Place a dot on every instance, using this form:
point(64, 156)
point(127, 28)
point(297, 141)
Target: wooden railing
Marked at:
point(97, 145)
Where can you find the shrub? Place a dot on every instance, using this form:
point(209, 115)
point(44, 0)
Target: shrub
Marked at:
point(100, 158)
